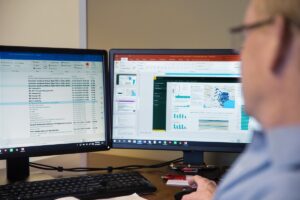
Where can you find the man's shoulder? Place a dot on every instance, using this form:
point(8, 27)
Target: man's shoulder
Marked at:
point(261, 180)
point(283, 185)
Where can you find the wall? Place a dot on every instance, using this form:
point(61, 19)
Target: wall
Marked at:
point(47, 23)
point(51, 23)
point(162, 24)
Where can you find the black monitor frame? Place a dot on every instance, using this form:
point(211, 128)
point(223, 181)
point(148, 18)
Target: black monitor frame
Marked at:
point(192, 154)
point(18, 162)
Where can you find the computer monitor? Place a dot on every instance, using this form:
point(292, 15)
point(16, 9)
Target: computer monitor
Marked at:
point(52, 101)
point(188, 100)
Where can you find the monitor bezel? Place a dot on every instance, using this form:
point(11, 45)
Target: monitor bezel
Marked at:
point(201, 146)
point(57, 149)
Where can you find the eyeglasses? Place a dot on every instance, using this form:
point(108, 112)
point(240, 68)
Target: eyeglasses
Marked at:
point(238, 33)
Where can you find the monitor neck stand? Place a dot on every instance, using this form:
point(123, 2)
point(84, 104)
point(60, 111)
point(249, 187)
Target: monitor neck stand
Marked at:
point(195, 158)
point(17, 169)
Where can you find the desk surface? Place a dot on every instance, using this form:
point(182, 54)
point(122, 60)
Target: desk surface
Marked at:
point(102, 160)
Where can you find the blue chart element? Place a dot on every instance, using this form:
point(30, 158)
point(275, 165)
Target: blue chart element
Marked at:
point(179, 126)
point(223, 99)
point(229, 104)
point(244, 119)
point(179, 116)
point(132, 80)
point(133, 93)
point(182, 97)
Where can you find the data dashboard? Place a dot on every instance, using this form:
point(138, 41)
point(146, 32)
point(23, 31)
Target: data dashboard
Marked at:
point(159, 98)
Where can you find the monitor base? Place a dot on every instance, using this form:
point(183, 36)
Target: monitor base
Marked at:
point(34, 176)
point(207, 171)
point(17, 169)
point(189, 169)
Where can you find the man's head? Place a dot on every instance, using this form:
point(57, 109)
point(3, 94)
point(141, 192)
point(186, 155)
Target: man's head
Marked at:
point(270, 55)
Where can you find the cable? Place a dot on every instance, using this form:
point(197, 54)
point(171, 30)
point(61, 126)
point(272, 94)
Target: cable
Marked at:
point(109, 169)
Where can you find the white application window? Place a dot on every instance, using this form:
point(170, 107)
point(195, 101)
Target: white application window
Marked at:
point(44, 102)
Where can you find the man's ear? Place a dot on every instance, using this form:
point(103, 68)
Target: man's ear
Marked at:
point(282, 42)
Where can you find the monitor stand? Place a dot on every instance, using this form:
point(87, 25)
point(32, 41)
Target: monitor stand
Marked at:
point(17, 169)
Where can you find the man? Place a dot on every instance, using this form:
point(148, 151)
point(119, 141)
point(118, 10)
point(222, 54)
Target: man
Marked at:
point(269, 168)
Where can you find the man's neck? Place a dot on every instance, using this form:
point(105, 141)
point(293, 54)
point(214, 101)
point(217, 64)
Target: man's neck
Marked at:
point(282, 110)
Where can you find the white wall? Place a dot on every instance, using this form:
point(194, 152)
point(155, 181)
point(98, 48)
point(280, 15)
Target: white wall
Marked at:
point(46, 23)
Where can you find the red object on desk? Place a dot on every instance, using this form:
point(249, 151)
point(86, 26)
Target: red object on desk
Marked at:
point(173, 177)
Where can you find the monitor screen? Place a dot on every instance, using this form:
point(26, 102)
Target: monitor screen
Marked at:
point(178, 100)
point(52, 101)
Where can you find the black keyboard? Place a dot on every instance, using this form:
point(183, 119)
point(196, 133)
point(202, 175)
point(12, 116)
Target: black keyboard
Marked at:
point(82, 187)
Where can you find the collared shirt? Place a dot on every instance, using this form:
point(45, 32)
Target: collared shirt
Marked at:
point(269, 169)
